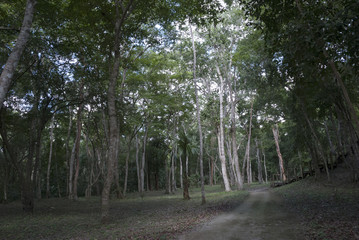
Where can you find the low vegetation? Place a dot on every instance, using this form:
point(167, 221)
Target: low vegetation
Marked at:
point(156, 216)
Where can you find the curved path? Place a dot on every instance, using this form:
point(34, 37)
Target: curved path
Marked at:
point(260, 217)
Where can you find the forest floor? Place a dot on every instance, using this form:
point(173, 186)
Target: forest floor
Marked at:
point(308, 209)
point(260, 217)
point(156, 216)
point(328, 210)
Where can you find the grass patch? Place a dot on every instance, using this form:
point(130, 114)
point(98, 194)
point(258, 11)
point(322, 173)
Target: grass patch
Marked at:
point(156, 216)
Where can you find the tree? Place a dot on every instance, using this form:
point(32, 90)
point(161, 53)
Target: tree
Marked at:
point(198, 117)
point(283, 176)
point(12, 62)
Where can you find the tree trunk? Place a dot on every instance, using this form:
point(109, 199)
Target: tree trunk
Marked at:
point(222, 158)
point(138, 165)
point(212, 169)
point(13, 60)
point(126, 166)
point(232, 177)
point(77, 145)
point(332, 148)
point(249, 164)
point(185, 180)
point(181, 172)
point(68, 154)
point(90, 158)
point(52, 125)
point(317, 143)
point(167, 176)
point(203, 195)
point(173, 170)
point(37, 167)
point(220, 134)
point(260, 177)
point(300, 165)
point(116, 169)
point(233, 100)
point(27, 197)
point(264, 163)
point(143, 162)
point(71, 171)
point(113, 127)
point(283, 177)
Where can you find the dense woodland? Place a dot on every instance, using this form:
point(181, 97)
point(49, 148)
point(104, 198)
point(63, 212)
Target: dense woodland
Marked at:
point(110, 97)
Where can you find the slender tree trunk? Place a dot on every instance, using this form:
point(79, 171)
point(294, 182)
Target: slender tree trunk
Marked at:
point(185, 180)
point(147, 173)
point(264, 163)
point(222, 155)
point(203, 195)
point(143, 162)
point(181, 172)
point(90, 158)
point(71, 171)
point(77, 145)
point(27, 197)
point(249, 164)
point(212, 172)
point(52, 125)
point(68, 154)
point(332, 149)
point(126, 167)
point(6, 175)
point(232, 176)
point(187, 169)
point(265, 167)
point(222, 158)
point(317, 143)
point(138, 165)
point(116, 168)
point(260, 177)
point(283, 176)
point(173, 170)
point(37, 167)
point(9, 69)
point(300, 165)
point(244, 163)
point(167, 176)
point(233, 100)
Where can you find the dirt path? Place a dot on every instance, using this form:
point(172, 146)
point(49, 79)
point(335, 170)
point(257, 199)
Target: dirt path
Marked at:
point(260, 217)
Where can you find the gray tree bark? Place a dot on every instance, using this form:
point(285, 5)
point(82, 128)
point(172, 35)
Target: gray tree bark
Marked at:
point(111, 101)
point(283, 176)
point(13, 60)
point(222, 155)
